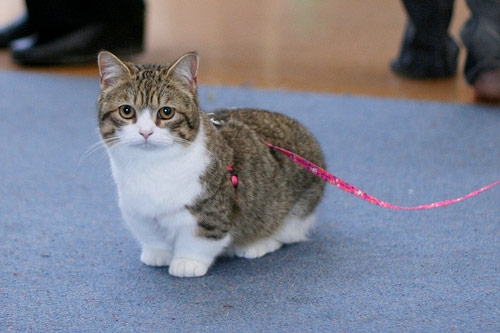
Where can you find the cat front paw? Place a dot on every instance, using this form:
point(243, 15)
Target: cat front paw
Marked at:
point(156, 257)
point(186, 267)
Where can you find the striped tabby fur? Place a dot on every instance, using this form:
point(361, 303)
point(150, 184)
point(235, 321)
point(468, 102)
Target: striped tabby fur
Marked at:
point(169, 161)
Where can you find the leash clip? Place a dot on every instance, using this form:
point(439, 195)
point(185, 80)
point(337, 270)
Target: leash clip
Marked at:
point(215, 122)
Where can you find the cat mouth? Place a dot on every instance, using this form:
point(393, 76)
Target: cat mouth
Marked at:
point(146, 145)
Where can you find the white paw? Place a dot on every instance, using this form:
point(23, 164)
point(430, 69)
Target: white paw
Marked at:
point(156, 257)
point(185, 267)
point(257, 249)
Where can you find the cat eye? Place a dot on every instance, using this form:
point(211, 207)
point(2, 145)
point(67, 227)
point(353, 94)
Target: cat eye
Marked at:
point(126, 111)
point(166, 113)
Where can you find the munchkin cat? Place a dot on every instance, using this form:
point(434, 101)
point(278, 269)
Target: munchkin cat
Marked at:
point(193, 186)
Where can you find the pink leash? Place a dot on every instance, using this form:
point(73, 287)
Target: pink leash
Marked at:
point(325, 175)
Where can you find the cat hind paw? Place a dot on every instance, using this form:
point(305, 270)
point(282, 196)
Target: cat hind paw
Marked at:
point(185, 267)
point(258, 249)
point(156, 257)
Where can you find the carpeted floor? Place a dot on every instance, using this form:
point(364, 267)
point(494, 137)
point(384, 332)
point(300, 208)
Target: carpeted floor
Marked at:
point(68, 263)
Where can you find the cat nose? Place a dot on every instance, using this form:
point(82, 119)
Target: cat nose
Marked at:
point(146, 133)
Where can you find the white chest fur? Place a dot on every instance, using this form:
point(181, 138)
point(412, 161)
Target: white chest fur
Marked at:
point(158, 184)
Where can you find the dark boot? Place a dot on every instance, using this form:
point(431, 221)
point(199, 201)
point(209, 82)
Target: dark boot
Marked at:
point(81, 45)
point(73, 32)
point(427, 50)
point(18, 29)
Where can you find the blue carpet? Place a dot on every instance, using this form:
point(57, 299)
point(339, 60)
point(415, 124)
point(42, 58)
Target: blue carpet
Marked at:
point(68, 263)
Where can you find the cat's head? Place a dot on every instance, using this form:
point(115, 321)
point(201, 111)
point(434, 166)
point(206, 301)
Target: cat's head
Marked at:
point(148, 107)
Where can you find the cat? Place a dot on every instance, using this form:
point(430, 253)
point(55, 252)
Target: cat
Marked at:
point(193, 186)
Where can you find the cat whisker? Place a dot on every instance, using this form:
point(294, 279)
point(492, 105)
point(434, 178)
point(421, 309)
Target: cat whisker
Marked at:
point(96, 147)
point(92, 149)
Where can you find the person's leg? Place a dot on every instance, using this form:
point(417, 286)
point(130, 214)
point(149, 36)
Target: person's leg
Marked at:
point(427, 50)
point(481, 37)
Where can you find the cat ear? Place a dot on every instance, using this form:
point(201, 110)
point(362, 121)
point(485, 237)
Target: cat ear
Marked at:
point(186, 69)
point(111, 69)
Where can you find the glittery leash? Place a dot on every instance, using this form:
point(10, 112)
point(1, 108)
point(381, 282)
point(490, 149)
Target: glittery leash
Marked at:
point(326, 176)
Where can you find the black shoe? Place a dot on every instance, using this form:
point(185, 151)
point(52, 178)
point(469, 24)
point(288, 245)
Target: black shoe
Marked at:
point(80, 46)
point(422, 61)
point(18, 29)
